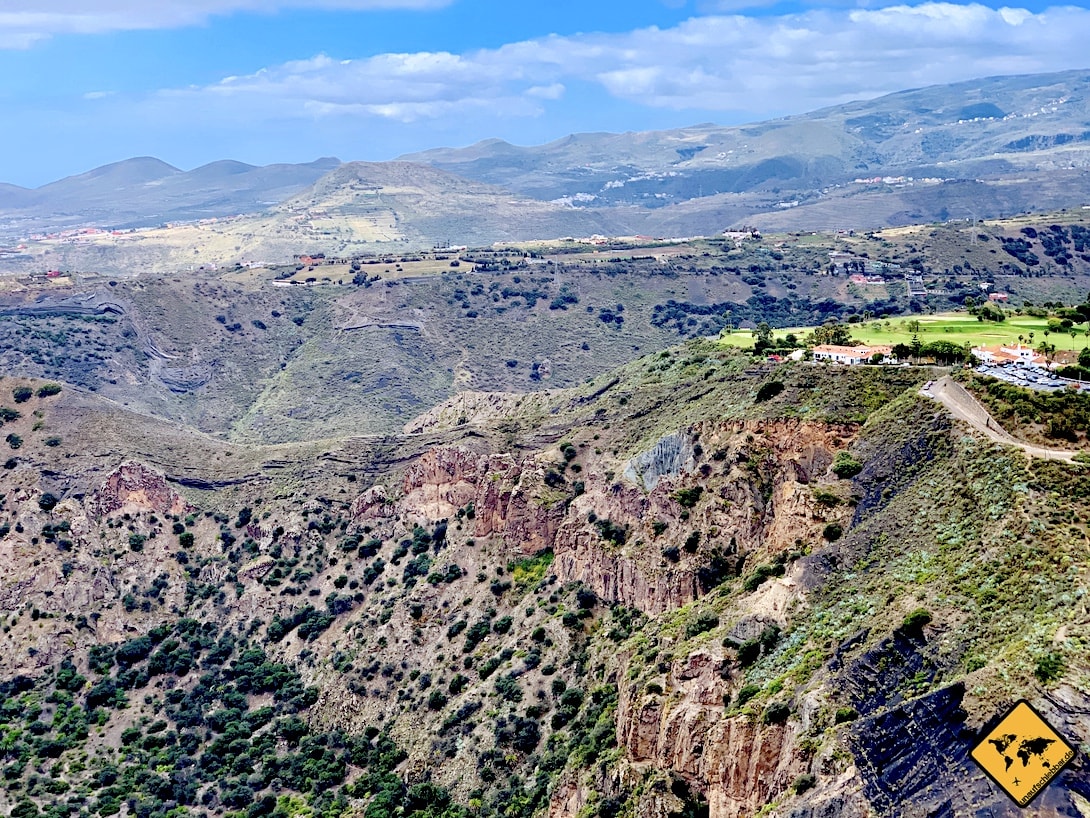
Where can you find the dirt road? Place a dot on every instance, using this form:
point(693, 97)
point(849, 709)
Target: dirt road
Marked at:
point(965, 407)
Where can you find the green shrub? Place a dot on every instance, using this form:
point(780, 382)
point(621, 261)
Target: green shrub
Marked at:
point(611, 532)
point(701, 624)
point(1050, 667)
point(22, 394)
point(49, 389)
point(476, 634)
point(833, 532)
point(25, 809)
point(915, 621)
point(688, 498)
point(488, 667)
point(776, 713)
point(844, 715)
point(47, 502)
point(508, 689)
point(747, 693)
point(769, 391)
point(456, 628)
point(14, 441)
point(846, 466)
point(826, 498)
point(762, 573)
point(803, 783)
point(749, 652)
point(531, 570)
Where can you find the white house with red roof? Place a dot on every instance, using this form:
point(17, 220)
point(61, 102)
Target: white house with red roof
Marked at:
point(1009, 354)
point(861, 354)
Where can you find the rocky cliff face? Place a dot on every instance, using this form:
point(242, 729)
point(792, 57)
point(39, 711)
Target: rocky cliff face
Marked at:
point(728, 494)
point(738, 763)
point(709, 622)
point(755, 482)
point(506, 497)
point(754, 498)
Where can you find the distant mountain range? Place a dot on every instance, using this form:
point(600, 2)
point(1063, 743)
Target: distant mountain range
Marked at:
point(1020, 142)
point(975, 149)
point(146, 191)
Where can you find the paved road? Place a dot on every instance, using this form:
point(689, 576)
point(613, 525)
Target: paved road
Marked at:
point(965, 407)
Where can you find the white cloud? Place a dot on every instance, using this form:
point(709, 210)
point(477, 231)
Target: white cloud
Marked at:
point(760, 65)
point(26, 22)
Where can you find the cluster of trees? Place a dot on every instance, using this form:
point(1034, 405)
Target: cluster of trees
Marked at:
point(1057, 242)
point(947, 353)
point(212, 746)
point(695, 319)
point(986, 311)
point(1021, 250)
point(831, 332)
point(1061, 415)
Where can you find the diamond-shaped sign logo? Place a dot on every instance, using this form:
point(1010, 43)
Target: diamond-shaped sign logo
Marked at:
point(1022, 753)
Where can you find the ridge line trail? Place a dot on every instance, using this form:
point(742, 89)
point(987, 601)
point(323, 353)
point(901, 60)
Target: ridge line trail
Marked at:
point(965, 407)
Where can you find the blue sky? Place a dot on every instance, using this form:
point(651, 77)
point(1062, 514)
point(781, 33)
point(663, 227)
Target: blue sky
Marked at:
point(86, 82)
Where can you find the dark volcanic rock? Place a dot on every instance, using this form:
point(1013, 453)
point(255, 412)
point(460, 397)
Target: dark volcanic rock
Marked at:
point(914, 761)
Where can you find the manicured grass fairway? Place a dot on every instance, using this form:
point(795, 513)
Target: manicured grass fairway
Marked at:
point(958, 327)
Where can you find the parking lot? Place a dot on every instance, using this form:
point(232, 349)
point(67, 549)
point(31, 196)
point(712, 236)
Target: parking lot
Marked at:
point(1031, 377)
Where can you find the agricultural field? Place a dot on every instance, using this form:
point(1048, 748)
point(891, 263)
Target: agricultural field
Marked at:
point(341, 271)
point(956, 327)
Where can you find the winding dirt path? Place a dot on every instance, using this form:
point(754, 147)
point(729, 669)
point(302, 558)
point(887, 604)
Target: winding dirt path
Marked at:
point(964, 406)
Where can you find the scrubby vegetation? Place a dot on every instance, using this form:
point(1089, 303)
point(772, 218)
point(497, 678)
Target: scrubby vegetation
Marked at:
point(410, 627)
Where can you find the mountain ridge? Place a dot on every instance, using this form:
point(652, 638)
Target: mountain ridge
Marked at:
point(910, 157)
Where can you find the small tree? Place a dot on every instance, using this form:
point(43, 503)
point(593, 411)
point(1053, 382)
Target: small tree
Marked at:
point(762, 337)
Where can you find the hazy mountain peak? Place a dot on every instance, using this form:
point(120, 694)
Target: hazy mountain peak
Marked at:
point(140, 169)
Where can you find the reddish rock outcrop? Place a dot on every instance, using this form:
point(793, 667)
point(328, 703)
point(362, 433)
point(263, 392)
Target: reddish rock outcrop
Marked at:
point(133, 486)
point(756, 499)
point(442, 481)
point(629, 577)
point(509, 497)
point(514, 502)
point(739, 763)
point(373, 504)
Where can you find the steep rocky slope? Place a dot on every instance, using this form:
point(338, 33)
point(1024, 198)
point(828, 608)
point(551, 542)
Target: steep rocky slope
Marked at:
point(651, 596)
